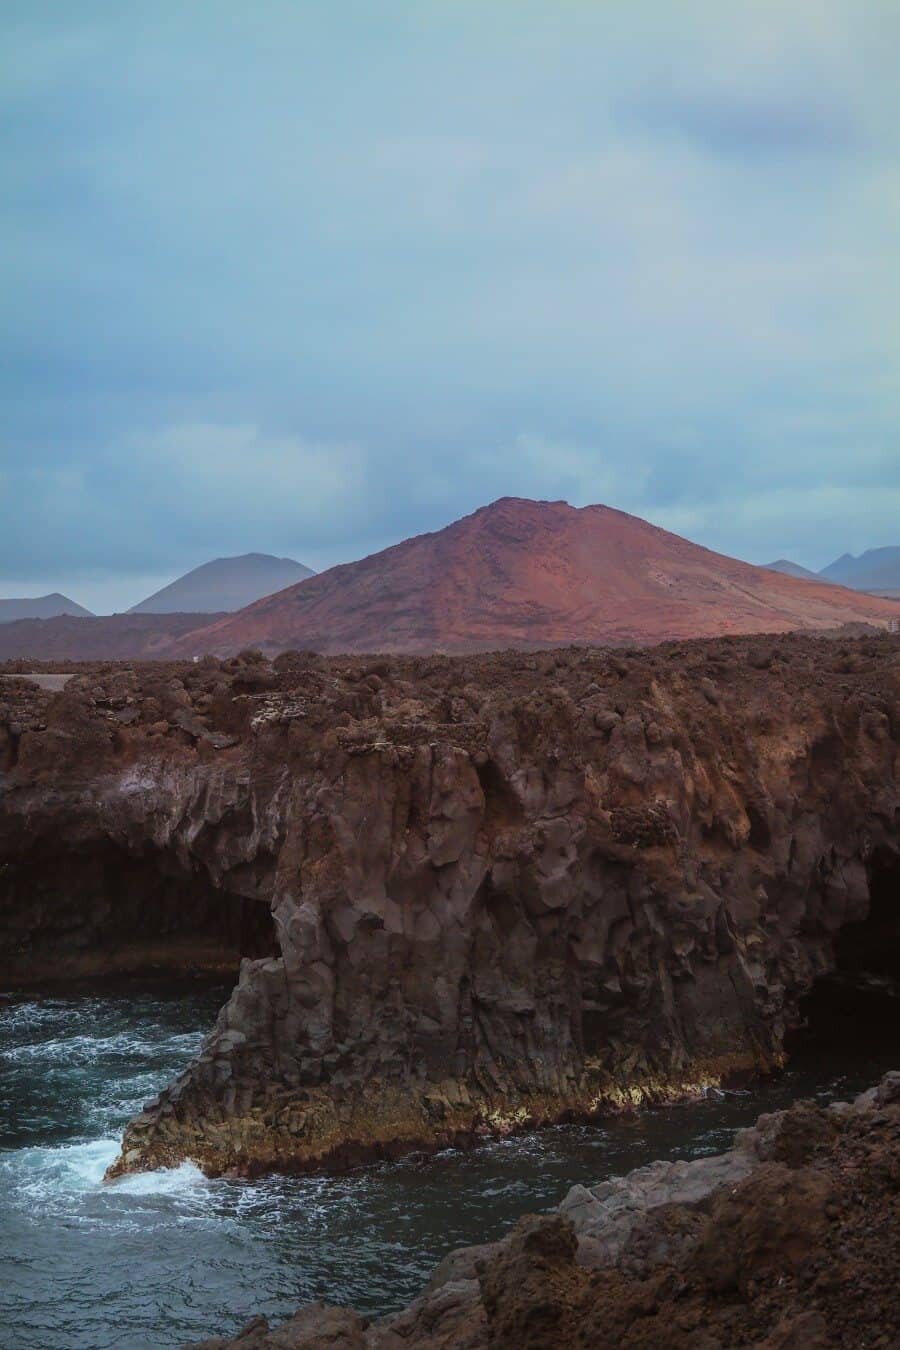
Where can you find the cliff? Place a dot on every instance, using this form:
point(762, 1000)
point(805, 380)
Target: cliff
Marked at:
point(471, 895)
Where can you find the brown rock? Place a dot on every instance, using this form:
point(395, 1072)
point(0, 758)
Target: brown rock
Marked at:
point(453, 927)
point(761, 1263)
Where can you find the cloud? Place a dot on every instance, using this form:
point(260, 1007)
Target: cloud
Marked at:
point(727, 124)
point(172, 498)
point(309, 279)
point(535, 466)
point(205, 468)
point(818, 523)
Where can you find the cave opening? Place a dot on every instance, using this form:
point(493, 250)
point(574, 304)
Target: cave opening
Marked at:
point(857, 1004)
point(102, 911)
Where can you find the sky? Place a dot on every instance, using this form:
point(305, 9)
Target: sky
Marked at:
point(306, 278)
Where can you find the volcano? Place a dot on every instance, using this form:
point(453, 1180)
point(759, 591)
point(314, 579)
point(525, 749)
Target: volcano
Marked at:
point(532, 574)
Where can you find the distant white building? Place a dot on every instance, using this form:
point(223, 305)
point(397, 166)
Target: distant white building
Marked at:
point(894, 625)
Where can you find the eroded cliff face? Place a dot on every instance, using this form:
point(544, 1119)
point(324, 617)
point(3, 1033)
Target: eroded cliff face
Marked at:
point(505, 889)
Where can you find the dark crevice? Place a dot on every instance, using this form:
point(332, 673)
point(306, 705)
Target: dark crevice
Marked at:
point(502, 807)
point(873, 946)
point(101, 911)
point(858, 1002)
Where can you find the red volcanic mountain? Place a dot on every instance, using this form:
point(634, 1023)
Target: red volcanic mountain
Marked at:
point(533, 574)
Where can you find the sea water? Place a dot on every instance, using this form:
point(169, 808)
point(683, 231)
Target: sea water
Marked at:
point(167, 1257)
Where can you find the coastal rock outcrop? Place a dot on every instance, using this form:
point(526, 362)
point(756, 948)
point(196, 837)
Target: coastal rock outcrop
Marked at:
point(471, 895)
point(790, 1241)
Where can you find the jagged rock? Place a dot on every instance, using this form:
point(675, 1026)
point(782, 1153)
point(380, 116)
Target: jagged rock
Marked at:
point(195, 728)
point(455, 927)
point(727, 1251)
point(315, 1327)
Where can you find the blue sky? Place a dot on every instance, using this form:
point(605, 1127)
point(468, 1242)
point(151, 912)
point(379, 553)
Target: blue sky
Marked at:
point(307, 278)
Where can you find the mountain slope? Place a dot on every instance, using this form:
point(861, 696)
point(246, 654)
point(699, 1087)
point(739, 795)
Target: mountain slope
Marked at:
point(40, 607)
point(791, 569)
point(109, 637)
point(521, 573)
point(225, 584)
point(878, 569)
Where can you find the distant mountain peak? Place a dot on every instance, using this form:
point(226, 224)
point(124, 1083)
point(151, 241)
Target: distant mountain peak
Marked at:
point(878, 569)
point(791, 569)
point(40, 607)
point(224, 585)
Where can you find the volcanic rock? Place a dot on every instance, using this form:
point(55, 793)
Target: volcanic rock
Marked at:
point(734, 1250)
point(464, 907)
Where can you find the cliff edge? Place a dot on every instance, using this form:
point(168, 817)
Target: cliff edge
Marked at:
point(471, 896)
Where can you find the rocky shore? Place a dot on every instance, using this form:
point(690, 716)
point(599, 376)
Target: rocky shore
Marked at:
point(791, 1241)
point(470, 894)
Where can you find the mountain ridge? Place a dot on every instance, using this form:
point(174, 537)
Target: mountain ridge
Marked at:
point(877, 569)
point(522, 573)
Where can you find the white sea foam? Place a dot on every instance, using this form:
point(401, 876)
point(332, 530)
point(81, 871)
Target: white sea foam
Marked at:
point(68, 1180)
point(87, 1049)
point(177, 1181)
point(39, 1175)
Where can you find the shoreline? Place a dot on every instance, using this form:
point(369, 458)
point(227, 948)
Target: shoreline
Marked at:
point(767, 1244)
point(282, 1154)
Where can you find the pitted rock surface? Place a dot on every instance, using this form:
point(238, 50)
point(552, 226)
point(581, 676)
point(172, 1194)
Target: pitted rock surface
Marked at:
point(472, 894)
point(735, 1250)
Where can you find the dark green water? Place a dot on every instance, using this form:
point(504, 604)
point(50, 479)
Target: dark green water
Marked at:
point(166, 1257)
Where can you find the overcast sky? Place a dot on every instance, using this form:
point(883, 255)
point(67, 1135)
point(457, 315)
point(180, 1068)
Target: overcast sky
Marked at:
point(309, 277)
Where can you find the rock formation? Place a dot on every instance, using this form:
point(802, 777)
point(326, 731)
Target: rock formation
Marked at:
point(471, 895)
point(791, 1241)
point(531, 574)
